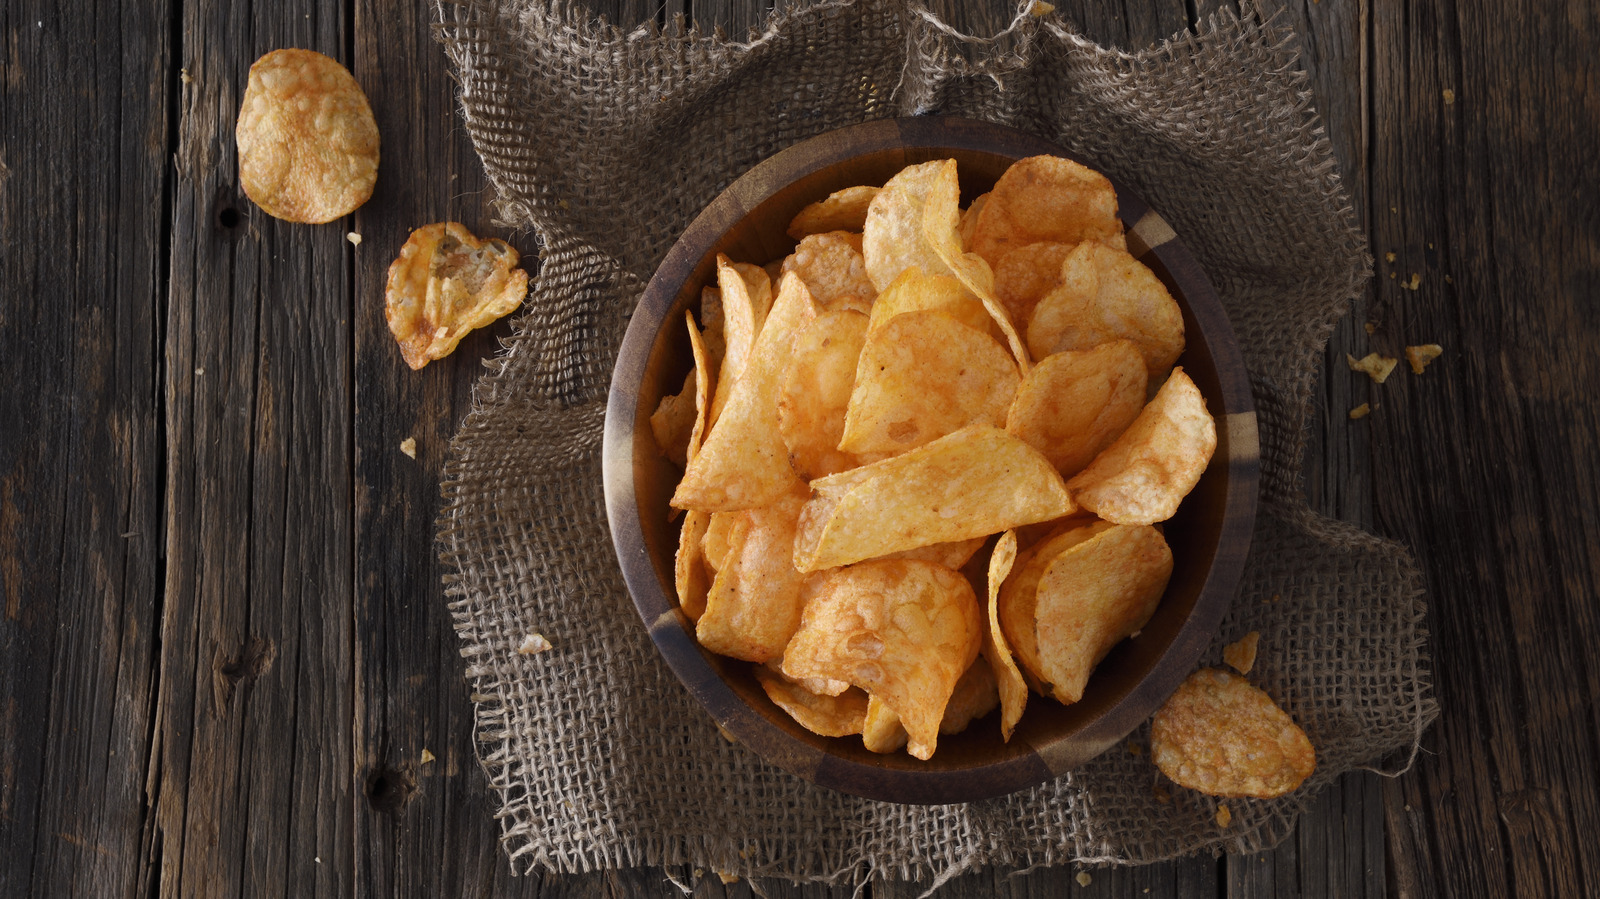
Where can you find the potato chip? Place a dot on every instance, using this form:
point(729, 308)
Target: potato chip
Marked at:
point(1105, 294)
point(816, 390)
point(1222, 736)
point(978, 481)
point(1240, 655)
point(1374, 366)
point(715, 542)
point(1073, 404)
point(1145, 473)
point(950, 555)
point(692, 579)
point(1012, 689)
point(903, 631)
point(1419, 356)
point(754, 604)
point(1018, 603)
point(924, 375)
point(1046, 198)
point(744, 463)
point(672, 421)
point(444, 284)
point(834, 272)
point(1091, 597)
point(829, 716)
point(1024, 275)
point(976, 694)
point(745, 296)
point(308, 145)
point(843, 210)
point(917, 291)
point(891, 239)
point(881, 731)
point(704, 385)
point(969, 222)
point(711, 326)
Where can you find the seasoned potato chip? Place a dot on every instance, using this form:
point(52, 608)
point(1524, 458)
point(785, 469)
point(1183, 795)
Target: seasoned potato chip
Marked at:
point(744, 463)
point(969, 222)
point(903, 631)
point(892, 239)
point(1046, 198)
point(817, 384)
point(1024, 275)
point(308, 145)
point(978, 481)
point(746, 298)
point(1013, 690)
point(1419, 356)
point(1018, 602)
point(692, 579)
point(950, 555)
point(976, 694)
point(1073, 404)
point(715, 542)
point(843, 210)
point(711, 325)
point(924, 375)
point(754, 604)
point(1105, 294)
point(704, 385)
point(830, 716)
point(881, 731)
point(1145, 473)
point(917, 291)
point(672, 421)
point(444, 284)
point(1222, 736)
point(1240, 655)
point(834, 272)
point(1091, 597)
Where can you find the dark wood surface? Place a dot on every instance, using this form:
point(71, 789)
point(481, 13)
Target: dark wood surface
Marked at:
point(223, 647)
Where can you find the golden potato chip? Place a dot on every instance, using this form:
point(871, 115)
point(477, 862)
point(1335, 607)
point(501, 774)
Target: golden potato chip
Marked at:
point(1073, 404)
point(1091, 597)
point(1012, 689)
point(1046, 198)
point(1420, 356)
point(950, 555)
point(704, 385)
point(976, 694)
point(672, 421)
point(308, 145)
point(1240, 655)
point(1105, 294)
point(715, 542)
point(689, 568)
point(978, 481)
point(1222, 736)
point(917, 291)
point(891, 239)
point(924, 375)
point(1374, 366)
point(746, 298)
point(969, 222)
point(815, 395)
point(903, 631)
point(444, 284)
point(834, 272)
point(711, 326)
point(1018, 603)
point(754, 604)
point(1024, 275)
point(744, 463)
point(880, 730)
point(843, 210)
point(1145, 473)
point(829, 716)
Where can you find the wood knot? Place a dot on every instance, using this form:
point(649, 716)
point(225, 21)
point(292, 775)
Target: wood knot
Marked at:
point(390, 789)
point(252, 660)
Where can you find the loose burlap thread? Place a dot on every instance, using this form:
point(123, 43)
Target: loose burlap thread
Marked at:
point(605, 144)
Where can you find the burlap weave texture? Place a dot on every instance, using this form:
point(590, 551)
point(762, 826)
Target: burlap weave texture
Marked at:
point(605, 144)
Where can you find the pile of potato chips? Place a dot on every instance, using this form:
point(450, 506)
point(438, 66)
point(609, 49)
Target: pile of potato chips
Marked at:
point(928, 453)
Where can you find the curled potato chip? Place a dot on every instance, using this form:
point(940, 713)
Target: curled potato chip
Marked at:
point(1046, 198)
point(744, 463)
point(1018, 603)
point(917, 291)
point(1240, 655)
point(754, 604)
point(444, 284)
point(711, 326)
point(715, 541)
point(892, 239)
point(843, 210)
point(704, 385)
point(976, 694)
point(1073, 404)
point(1012, 689)
point(924, 375)
point(692, 580)
point(1091, 597)
point(1105, 294)
point(829, 716)
point(834, 272)
point(969, 221)
point(1222, 736)
point(308, 145)
point(904, 631)
point(1024, 275)
point(745, 297)
point(1145, 473)
point(817, 384)
point(881, 731)
point(673, 420)
point(975, 482)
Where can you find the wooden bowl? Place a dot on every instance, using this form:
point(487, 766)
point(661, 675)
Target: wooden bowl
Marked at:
point(1209, 536)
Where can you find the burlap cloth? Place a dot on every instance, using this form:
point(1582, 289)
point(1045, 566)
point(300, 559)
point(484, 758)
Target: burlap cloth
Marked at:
point(605, 144)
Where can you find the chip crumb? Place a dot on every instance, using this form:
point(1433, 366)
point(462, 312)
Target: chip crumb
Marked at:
point(1277, 597)
point(1430, 244)
point(1370, 327)
point(1161, 794)
point(1449, 280)
point(727, 735)
point(185, 77)
point(727, 878)
point(1134, 748)
point(1040, 9)
point(409, 447)
point(1393, 275)
point(564, 204)
point(1395, 209)
point(1449, 96)
point(426, 757)
point(1361, 411)
point(1375, 366)
point(1414, 282)
point(1420, 356)
point(354, 238)
point(1084, 879)
point(1388, 257)
point(1241, 654)
point(1224, 817)
point(533, 644)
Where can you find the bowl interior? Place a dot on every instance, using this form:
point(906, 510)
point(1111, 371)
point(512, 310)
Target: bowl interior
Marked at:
point(1209, 536)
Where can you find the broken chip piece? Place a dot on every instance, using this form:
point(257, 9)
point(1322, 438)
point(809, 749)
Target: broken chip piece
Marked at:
point(1219, 735)
point(1240, 655)
point(1419, 356)
point(1375, 366)
point(446, 283)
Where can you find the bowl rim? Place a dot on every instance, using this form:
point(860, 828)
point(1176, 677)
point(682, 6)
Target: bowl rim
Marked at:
point(672, 633)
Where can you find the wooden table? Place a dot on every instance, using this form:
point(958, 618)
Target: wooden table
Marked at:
point(224, 647)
